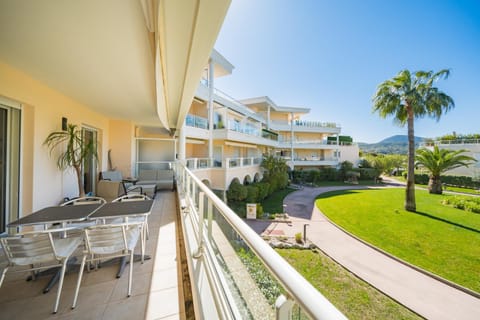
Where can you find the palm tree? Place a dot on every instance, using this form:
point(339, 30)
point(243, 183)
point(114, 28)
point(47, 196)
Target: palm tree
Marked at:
point(437, 161)
point(409, 96)
point(75, 152)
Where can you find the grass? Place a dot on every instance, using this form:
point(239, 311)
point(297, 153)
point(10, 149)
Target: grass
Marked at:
point(440, 239)
point(271, 204)
point(353, 297)
point(274, 202)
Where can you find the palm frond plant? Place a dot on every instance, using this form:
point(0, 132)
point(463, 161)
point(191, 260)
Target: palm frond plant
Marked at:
point(74, 151)
point(406, 97)
point(438, 161)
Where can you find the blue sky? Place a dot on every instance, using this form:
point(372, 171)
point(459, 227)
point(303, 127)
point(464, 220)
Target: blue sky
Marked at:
point(330, 56)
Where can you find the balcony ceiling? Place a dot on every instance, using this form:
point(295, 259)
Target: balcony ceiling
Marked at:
point(131, 59)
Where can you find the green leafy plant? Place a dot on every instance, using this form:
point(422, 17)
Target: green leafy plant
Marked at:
point(298, 237)
point(74, 151)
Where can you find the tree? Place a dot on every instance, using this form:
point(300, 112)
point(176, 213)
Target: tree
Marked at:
point(75, 153)
point(437, 161)
point(407, 97)
point(276, 172)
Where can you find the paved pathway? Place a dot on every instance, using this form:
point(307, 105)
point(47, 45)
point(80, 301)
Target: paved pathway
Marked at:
point(428, 297)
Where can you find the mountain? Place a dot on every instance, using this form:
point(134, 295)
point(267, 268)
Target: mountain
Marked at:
point(395, 144)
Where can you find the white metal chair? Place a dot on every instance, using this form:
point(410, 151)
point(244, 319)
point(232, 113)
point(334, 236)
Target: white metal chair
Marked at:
point(84, 200)
point(39, 250)
point(106, 241)
point(143, 219)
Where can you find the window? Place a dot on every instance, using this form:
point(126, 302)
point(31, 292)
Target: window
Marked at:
point(9, 162)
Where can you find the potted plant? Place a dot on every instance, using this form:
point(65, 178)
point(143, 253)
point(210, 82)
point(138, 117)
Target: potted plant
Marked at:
point(75, 152)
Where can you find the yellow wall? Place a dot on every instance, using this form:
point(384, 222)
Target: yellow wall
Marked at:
point(42, 111)
point(122, 146)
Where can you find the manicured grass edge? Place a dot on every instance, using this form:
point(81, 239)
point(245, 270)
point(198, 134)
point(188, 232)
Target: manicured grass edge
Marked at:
point(427, 273)
point(360, 278)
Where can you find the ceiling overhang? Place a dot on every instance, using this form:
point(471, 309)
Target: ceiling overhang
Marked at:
point(139, 60)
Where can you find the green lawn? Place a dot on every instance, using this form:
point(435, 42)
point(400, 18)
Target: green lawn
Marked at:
point(352, 296)
point(274, 202)
point(441, 239)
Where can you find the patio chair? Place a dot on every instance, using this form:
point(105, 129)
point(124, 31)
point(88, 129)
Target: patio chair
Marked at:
point(84, 200)
point(107, 241)
point(142, 219)
point(109, 190)
point(39, 250)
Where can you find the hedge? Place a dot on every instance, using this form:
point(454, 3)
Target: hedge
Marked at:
point(457, 181)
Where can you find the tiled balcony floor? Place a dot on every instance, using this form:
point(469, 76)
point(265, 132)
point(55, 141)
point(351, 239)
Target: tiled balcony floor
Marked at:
point(102, 296)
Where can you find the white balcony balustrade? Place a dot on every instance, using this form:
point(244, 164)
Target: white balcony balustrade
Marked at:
point(224, 254)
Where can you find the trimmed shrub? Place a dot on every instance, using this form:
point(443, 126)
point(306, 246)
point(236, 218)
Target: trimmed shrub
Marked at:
point(263, 190)
point(236, 192)
point(252, 194)
point(259, 211)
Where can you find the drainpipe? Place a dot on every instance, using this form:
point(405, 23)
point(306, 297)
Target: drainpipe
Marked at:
point(210, 107)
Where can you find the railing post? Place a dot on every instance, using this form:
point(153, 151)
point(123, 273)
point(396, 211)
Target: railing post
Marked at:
point(199, 252)
point(195, 163)
point(209, 217)
point(227, 163)
point(283, 308)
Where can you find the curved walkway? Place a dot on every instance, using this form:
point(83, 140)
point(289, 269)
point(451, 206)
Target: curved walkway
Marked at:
point(425, 295)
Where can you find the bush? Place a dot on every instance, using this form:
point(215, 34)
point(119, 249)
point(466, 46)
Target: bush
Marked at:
point(252, 194)
point(236, 192)
point(368, 173)
point(470, 204)
point(263, 190)
point(298, 237)
point(259, 211)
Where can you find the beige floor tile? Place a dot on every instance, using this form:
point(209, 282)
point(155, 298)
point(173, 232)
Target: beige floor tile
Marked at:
point(164, 279)
point(128, 309)
point(163, 303)
point(140, 286)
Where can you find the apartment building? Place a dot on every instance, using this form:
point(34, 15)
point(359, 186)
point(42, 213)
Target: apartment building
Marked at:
point(225, 139)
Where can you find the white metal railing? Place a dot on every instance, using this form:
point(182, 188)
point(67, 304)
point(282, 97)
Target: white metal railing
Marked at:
point(456, 141)
point(306, 123)
point(215, 239)
point(203, 163)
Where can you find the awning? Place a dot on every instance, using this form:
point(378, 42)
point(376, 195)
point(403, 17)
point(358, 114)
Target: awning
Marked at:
point(236, 144)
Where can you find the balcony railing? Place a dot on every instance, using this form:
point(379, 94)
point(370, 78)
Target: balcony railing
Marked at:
point(203, 163)
point(456, 141)
point(307, 124)
point(224, 255)
point(196, 121)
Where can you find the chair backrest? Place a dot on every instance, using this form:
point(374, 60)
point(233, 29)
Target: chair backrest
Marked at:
point(132, 197)
point(107, 239)
point(84, 200)
point(109, 190)
point(29, 249)
point(112, 175)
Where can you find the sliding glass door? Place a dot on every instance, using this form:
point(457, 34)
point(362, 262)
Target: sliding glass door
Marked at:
point(9, 164)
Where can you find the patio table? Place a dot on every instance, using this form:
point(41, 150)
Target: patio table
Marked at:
point(57, 214)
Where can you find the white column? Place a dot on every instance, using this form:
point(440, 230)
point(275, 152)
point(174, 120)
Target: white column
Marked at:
point(210, 107)
point(268, 117)
point(182, 141)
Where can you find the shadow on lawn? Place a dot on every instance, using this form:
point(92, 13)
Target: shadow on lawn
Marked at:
point(446, 221)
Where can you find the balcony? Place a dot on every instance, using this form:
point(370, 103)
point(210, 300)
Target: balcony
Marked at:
point(306, 126)
point(312, 161)
point(307, 144)
point(194, 164)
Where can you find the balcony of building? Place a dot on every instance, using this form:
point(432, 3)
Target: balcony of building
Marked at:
point(305, 126)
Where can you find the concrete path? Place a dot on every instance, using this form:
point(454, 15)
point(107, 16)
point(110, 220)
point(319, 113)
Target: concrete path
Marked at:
point(428, 297)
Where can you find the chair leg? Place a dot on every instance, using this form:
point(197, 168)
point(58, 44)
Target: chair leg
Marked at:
point(2, 277)
point(130, 275)
point(60, 285)
point(79, 280)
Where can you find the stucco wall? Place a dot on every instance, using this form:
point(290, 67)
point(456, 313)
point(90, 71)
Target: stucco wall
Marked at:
point(42, 112)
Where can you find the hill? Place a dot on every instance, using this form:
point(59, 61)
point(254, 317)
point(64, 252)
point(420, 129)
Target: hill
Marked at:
point(397, 144)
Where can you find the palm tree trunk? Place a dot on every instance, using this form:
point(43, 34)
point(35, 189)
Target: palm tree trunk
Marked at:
point(410, 204)
point(435, 185)
point(81, 191)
